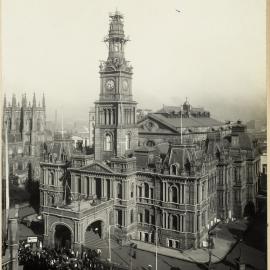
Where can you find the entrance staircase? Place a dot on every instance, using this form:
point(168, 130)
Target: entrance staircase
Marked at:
point(93, 241)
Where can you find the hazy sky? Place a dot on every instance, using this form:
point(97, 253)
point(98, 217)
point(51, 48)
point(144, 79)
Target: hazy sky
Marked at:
point(213, 52)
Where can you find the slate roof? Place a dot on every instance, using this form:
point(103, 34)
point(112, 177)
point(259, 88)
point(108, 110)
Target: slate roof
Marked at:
point(188, 122)
point(180, 155)
point(177, 109)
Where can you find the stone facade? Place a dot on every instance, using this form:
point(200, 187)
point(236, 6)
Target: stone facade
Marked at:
point(26, 125)
point(171, 123)
point(115, 128)
point(142, 191)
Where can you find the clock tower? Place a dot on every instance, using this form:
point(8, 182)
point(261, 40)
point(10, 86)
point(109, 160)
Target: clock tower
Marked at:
point(116, 132)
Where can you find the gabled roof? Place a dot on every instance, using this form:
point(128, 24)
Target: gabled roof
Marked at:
point(173, 124)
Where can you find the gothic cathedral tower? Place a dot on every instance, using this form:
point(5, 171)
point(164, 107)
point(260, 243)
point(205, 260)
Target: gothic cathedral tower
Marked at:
point(116, 132)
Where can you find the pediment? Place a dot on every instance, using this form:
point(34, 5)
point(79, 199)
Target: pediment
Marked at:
point(151, 125)
point(97, 167)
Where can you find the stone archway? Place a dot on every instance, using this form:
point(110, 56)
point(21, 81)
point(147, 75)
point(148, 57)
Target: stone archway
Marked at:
point(62, 237)
point(249, 210)
point(94, 234)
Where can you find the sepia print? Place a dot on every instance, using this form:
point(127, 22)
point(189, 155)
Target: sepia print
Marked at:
point(134, 134)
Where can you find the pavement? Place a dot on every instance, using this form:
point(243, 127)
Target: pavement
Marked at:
point(226, 237)
point(224, 240)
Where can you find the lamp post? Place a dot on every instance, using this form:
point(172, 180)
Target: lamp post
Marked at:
point(110, 252)
point(156, 245)
point(210, 247)
point(110, 249)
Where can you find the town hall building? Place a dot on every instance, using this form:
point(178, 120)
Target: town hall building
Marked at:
point(136, 190)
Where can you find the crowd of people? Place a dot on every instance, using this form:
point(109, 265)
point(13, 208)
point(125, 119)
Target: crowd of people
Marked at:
point(65, 259)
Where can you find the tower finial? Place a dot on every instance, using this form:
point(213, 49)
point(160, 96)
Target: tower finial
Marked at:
point(24, 100)
point(43, 101)
point(34, 101)
point(14, 103)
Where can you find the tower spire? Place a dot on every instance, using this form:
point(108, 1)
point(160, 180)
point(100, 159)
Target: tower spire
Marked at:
point(62, 126)
point(14, 100)
point(5, 101)
point(24, 101)
point(34, 101)
point(116, 38)
point(43, 101)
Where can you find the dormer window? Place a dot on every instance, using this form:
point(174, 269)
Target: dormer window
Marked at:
point(174, 169)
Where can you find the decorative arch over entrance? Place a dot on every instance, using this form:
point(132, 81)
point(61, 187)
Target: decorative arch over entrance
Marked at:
point(94, 234)
point(62, 237)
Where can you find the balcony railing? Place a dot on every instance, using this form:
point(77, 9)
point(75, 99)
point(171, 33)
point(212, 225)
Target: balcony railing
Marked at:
point(78, 210)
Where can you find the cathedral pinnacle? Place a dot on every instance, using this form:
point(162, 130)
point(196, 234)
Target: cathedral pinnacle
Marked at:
point(5, 101)
point(43, 101)
point(34, 101)
point(14, 103)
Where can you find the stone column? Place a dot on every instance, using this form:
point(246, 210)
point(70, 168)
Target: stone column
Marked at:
point(91, 186)
point(72, 183)
point(84, 181)
point(94, 187)
point(199, 193)
point(163, 191)
point(167, 191)
point(105, 189)
point(111, 188)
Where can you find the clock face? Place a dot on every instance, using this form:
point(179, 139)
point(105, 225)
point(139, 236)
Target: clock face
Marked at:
point(110, 84)
point(125, 85)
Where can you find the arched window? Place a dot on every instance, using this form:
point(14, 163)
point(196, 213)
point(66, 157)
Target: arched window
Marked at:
point(132, 190)
point(150, 143)
point(146, 190)
point(128, 141)
point(52, 178)
point(119, 191)
point(18, 123)
point(187, 166)
point(28, 125)
point(131, 216)
point(108, 142)
point(174, 222)
point(174, 194)
point(38, 125)
point(8, 124)
point(146, 216)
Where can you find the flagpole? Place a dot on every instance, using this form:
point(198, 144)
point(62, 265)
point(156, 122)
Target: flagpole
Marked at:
point(62, 126)
point(156, 246)
point(181, 125)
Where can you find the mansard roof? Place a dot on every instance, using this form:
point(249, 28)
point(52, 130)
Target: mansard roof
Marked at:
point(181, 154)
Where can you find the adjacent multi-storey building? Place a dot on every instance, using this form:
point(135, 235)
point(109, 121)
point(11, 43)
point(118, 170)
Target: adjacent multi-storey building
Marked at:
point(139, 190)
point(173, 124)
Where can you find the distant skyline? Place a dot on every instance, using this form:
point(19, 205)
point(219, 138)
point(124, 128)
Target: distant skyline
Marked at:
point(213, 52)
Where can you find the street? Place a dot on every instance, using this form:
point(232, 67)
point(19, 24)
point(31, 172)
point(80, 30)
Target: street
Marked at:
point(252, 250)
